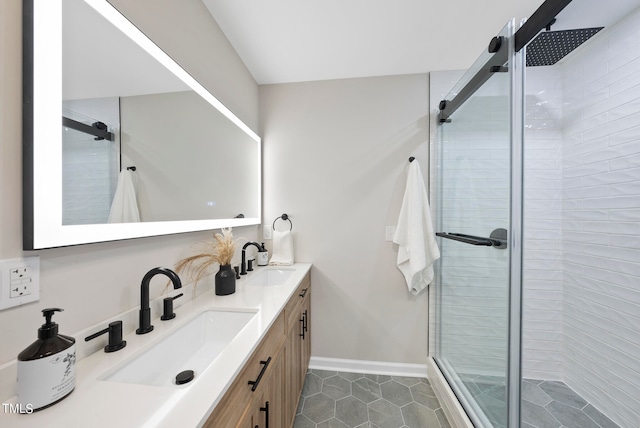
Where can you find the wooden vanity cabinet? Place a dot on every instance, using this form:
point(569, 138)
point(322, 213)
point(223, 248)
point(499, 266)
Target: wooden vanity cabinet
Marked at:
point(278, 365)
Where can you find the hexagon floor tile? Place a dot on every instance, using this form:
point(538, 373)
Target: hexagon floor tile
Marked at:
point(351, 400)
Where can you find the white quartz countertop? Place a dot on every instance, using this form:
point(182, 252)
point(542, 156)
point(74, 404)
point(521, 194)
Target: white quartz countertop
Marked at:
point(98, 403)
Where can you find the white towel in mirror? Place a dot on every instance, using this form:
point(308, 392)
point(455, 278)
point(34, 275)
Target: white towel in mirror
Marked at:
point(124, 208)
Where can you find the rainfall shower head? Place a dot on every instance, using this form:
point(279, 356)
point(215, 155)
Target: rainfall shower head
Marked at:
point(550, 47)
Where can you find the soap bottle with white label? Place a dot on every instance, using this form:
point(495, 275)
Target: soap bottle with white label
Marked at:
point(262, 256)
point(47, 368)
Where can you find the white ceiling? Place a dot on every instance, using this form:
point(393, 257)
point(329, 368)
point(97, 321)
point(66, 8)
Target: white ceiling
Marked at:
point(304, 40)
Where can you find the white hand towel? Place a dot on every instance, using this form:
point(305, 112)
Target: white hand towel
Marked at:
point(282, 248)
point(124, 208)
point(414, 234)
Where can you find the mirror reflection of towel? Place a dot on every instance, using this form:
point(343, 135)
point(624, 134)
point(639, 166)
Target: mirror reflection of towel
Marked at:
point(124, 208)
point(414, 234)
point(282, 248)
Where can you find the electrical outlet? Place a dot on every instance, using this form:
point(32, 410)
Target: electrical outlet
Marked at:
point(266, 231)
point(19, 281)
point(389, 232)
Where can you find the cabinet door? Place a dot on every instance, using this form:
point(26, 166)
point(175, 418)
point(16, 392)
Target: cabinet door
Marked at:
point(276, 394)
point(248, 419)
point(237, 405)
point(305, 351)
point(270, 405)
point(292, 375)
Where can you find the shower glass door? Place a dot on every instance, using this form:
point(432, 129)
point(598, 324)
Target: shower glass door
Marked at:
point(474, 211)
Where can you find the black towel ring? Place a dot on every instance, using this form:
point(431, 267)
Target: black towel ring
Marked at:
point(283, 217)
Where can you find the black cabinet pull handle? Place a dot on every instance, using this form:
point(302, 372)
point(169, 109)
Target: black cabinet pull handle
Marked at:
point(265, 409)
point(304, 292)
point(255, 383)
point(303, 320)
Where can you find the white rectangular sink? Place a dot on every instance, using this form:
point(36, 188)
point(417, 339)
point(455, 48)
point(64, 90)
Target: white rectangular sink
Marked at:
point(193, 346)
point(269, 276)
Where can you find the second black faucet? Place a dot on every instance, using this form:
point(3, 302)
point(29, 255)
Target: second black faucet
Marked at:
point(243, 266)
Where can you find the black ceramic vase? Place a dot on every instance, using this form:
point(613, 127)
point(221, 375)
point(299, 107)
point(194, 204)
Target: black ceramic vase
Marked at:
point(225, 280)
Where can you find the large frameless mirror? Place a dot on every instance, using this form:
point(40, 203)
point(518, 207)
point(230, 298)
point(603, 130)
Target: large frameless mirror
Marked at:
point(119, 140)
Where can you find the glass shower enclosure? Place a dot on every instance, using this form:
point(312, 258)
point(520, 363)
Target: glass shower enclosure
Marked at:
point(478, 217)
point(548, 161)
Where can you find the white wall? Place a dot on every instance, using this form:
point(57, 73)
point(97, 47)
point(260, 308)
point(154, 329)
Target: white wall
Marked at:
point(601, 221)
point(542, 313)
point(94, 282)
point(336, 155)
point(192, 162)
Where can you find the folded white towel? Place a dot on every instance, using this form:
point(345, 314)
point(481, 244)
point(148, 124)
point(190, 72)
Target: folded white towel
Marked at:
point(124, 208)
point(282, 248)
point(414, 234)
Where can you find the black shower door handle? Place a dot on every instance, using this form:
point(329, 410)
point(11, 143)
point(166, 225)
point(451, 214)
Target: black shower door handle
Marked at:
point(497, 239)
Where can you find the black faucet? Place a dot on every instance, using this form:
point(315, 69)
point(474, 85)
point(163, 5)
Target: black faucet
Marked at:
point(243, 265)
point(145, 311)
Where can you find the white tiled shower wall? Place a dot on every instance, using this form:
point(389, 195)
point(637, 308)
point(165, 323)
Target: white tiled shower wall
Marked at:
point(601, 221)
point(90, 167)
point(542, 257)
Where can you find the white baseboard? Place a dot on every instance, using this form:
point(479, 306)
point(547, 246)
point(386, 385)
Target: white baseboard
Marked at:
point(454, 412)
point(369, 367)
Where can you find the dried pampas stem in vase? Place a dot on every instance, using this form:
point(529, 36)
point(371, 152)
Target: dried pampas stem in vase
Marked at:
point(219, 251)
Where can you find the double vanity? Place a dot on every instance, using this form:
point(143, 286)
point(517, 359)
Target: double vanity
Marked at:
point(234, 360)
point(242, 358)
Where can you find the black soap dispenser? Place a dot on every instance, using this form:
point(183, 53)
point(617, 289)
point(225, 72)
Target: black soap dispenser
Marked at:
point(47, 368)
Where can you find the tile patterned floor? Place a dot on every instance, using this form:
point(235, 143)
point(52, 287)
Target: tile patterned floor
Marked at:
point(351, 400)
point(545, 404)
point(552, 404)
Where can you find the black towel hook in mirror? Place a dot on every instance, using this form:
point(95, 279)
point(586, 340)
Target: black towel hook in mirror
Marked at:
point(131, 168)
point(283, 217)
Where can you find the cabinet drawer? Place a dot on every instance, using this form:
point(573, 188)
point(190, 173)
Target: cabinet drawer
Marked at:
point(239, 396)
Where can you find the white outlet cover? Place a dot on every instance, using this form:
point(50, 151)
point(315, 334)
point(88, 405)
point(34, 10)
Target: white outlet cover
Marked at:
point(389, 232)
point(266, 231)
point(32, 293)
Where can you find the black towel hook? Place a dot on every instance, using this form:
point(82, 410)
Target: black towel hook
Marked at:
point(131, 168)
point(411, 159)
point(283, 217)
